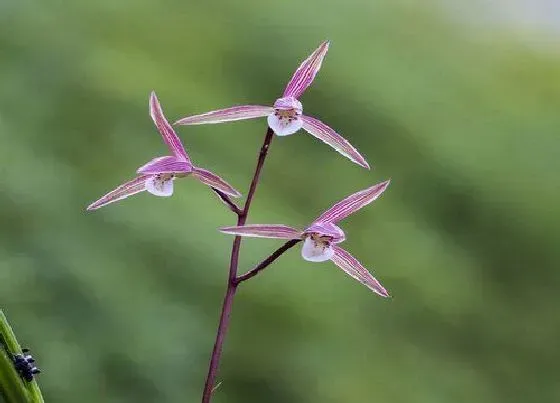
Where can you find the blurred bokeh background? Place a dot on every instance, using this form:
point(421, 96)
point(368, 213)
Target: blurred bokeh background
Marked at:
point(457, 102)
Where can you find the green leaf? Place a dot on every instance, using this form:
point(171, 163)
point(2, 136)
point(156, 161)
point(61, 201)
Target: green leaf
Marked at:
point(12, 387)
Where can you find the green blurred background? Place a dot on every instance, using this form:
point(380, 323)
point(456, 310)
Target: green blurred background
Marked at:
point(457, 103)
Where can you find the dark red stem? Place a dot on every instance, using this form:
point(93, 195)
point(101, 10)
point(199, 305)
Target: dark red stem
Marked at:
point(260, 162)
point(268, 261)
point(232, 278)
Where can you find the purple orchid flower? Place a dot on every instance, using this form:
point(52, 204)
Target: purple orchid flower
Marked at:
point(321, 238)
point(286, 117)
point(157, 176)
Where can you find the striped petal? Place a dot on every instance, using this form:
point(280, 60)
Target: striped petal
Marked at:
point(227, 115)
point(277, 231)
point(213, 180)
point(164, 165)
point(350, 265)
point(324, 133)
point(130, 188)
point(169, 136)
point(352, 203)
point(305, 73)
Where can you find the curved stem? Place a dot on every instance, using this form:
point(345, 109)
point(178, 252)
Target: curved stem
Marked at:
point(232, 278)
point(268, 261)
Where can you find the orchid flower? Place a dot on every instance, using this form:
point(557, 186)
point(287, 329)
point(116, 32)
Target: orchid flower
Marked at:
point(286, 117)
point(321, 238)
point(157, 176)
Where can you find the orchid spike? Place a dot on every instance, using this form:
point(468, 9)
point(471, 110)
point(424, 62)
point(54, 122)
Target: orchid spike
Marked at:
point(286, 116)
point(157, 176)
point(321, 238)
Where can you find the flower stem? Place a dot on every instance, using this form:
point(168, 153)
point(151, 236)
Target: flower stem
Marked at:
point(266, 262)
point(260, 162)
point(232, 278)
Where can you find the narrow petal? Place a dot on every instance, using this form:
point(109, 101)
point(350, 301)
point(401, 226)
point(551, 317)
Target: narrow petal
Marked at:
point(163, 165)
point(227, 115)
point(130, 188)
point(314, 251)
point(324, 133)
point(305, 73)
point(169, 136)
point(160, 185)
point(352, 203)
point(264, 231)
point(350, 265)
point(284, 126)
point(213, 180)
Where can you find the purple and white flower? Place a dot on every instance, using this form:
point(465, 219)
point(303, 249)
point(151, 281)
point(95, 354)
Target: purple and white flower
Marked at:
point(158, 175)
point(286, 116)
point(321, 238)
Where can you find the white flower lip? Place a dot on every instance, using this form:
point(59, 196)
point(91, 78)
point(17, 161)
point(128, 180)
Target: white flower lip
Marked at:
point(160, 185)
point(316, 249)
point(283, 124)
